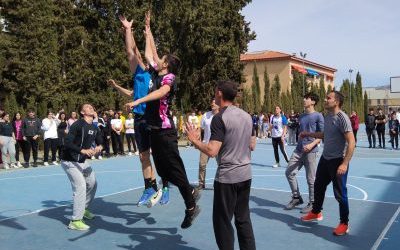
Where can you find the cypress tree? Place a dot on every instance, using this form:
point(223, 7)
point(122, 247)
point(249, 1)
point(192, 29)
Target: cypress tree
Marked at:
point(276, 92)
point(255, 89)
point(267, 92)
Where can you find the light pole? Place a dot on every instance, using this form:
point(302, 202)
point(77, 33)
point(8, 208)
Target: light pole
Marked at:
point(303, 55)
point(350, 71)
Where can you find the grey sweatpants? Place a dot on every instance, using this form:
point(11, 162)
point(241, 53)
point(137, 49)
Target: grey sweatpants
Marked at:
point(83, 183)
point(296, 162)
point(8, 146)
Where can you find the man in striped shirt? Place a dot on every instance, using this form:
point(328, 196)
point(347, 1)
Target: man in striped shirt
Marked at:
point(333, 166)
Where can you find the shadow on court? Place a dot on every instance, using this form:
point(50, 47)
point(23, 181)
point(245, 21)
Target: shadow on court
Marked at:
point(112, 219)
point(260, 165)
point(284, 228)
point(12, 223)
point(392, 163)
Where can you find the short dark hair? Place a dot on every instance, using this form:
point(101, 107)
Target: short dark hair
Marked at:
point(338, 97)
point(228, 90)
point(314, 97)
point(174, 63)
point(371, 109)
point(379, 108)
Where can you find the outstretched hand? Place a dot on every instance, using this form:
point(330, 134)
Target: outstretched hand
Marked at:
point(147, 19)
point(192, 133)
point(112, 82)
point(130, 105)
point(127, 24)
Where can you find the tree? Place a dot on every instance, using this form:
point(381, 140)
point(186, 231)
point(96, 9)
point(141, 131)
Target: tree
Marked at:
point(56, 51)
point(255, 90)
point(365, 104)
point(359, 96)
point(267, 92)
point(276, 92)
point(345, 90)
point(247, 101)
point(11, 105)
point(321, 94)
point(296, 91)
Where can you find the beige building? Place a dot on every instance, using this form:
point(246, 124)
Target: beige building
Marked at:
point(382, 97)
point(283, 65)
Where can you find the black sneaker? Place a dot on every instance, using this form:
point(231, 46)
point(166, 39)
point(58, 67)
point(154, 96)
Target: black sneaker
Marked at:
point(294, 202)
point(190, 215)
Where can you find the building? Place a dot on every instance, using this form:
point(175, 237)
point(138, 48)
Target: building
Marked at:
point(283, 65)
point(382, 97)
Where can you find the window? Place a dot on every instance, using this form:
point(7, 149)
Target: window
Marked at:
point(379, 101)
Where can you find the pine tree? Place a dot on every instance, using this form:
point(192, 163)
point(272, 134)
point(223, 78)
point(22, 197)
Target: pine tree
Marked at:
point(247, 101)
point(296, 91)
point(321, 94)
point(345, 90)
point(255, 90)
point(61, 51)
point(365, 104)
point(359, 96)
point(276, 92)
point(267, 92)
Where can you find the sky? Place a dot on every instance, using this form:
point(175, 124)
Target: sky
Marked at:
point(363, 35)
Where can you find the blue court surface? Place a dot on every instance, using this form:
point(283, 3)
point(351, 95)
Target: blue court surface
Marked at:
point(35, 207)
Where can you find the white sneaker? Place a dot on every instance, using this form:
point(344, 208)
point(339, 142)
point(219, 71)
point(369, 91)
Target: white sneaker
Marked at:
point(55, 163)
point(137, 153)
point(19, 164)
point(130, 153)
point(155, 198)
point(6, 166)
point(13, 165)
point(100, 157)
point(45, 163)
point(276, 165)
point(93, 158)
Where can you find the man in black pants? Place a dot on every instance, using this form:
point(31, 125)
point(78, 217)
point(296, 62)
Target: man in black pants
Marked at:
point(370, 128)
point(339, 144)
point(380, 121)
point(164, 137)
point(232, 140)
point(31, 133)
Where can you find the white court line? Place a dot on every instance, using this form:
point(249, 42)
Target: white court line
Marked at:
point(96, 171)
point(349, 176)
point(385, 230)
point(365, 195)
point(46, 209)
point(102, 196)
point(361, 190)
point(355, 199)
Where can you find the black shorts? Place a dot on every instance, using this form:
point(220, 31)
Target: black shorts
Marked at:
point(142, 133)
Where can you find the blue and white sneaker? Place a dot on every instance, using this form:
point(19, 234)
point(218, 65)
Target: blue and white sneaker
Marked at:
point(165, 196)
point(155, 198)
point(147, 194)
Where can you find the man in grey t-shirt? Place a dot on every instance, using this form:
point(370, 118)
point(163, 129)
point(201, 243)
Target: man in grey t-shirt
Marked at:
point(333, 166)
point(305, 153)
point(232, 140)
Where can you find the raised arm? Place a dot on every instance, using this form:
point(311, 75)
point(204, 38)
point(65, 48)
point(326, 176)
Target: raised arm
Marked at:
point(132, 51)
point(121, 90)
point(156, 58)
point(148, 53)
